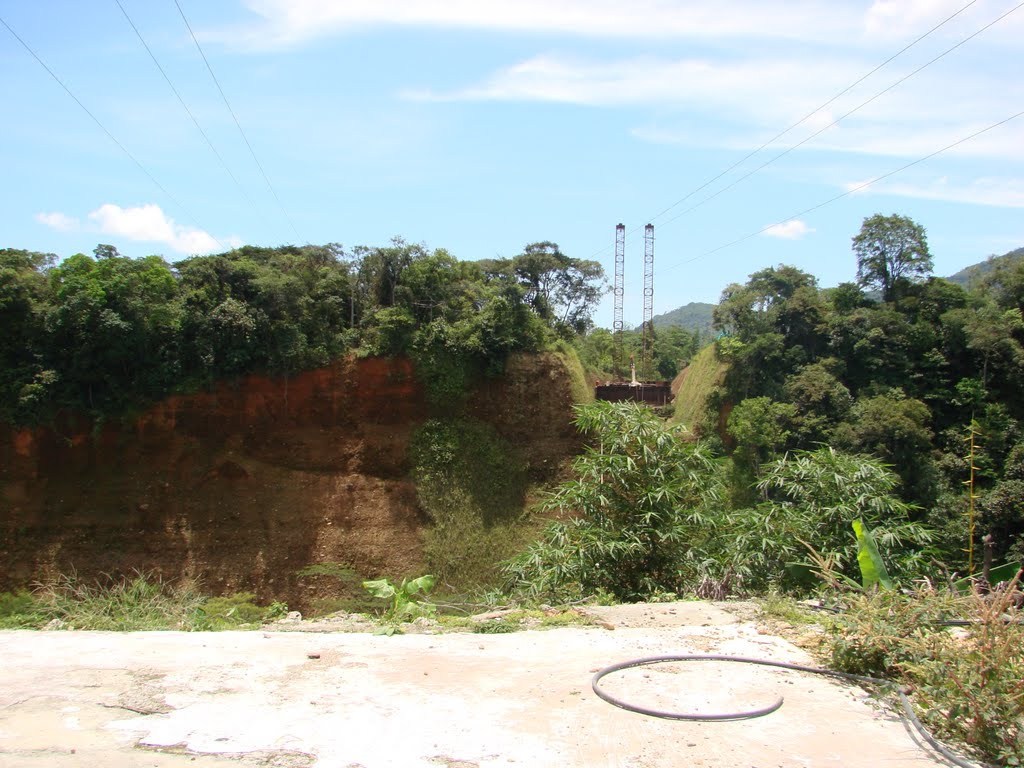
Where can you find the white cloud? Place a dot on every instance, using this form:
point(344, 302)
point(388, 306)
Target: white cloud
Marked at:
point(891, 18)
point(739, 88)
point(289, 22)
point(150, 224)
point(58, 221)
point(861, 187)
point(1001, 193)
point(794, 229)
point(760, 95)
point(894, 19)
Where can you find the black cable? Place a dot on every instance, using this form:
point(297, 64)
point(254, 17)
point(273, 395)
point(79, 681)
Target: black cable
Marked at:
point(110, 136)
point(184, 106)
point(237, 123)
point(728, 716)
point(848, 192)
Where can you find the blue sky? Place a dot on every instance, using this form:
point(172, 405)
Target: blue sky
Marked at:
point(482, 125)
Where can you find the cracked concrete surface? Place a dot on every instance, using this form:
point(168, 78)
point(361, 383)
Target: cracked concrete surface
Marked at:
point(291, 700)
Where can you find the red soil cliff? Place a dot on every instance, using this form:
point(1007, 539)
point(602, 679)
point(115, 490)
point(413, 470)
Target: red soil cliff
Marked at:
point(244, 486)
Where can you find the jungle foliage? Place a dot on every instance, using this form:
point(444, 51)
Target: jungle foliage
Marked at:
point(104, 332)
point(904, 374)
point(649, 514)
point(829, 406)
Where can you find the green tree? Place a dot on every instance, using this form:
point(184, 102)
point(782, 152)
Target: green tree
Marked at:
point(994, 334)
point(890, 250)
point(895, 428)
point(777, 318)
point(561, 290)
point(112, 329)
point(820, 399)
point(760, 428)
point(26, 383)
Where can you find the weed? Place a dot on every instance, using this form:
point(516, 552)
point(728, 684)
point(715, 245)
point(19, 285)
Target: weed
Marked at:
point(19, 610)
point(967, 681)
point(134, 603)
point(342, 571)
point(970, 685)
point(139, 602)
point(787, 609)
point(500, 626)
point(239, 611)
point(404, 604)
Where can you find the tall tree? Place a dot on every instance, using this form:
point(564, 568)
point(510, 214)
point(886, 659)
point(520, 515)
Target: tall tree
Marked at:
point(890, 250)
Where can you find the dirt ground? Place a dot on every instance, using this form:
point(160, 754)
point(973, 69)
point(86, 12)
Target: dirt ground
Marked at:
point(292, 699)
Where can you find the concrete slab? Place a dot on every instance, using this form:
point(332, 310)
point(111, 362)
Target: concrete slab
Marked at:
point(165, 699)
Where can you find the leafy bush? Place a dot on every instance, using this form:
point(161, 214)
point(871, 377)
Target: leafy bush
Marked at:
point(813, 499)
point(638, 512)
point(404, 603)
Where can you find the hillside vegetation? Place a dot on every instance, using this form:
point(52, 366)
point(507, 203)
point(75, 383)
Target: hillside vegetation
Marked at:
point(700, 380)
point(105, 333)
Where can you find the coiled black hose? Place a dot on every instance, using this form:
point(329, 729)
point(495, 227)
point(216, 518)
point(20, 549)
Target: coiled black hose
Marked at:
point(717, 717)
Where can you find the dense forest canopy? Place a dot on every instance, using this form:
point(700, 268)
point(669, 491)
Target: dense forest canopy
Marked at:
point(907, 374)
point(104, 332)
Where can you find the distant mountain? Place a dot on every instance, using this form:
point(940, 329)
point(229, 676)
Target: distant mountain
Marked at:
point(695, 316)
point(975, 272)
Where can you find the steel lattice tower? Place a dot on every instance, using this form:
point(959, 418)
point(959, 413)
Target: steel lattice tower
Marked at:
point(620, 289)
point(648, 328)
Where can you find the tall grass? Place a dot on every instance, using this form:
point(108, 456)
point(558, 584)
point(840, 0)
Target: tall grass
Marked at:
point(133, 603)
point(704, 374)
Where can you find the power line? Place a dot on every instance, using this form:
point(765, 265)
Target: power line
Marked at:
point(843, 117)
point(111, 136)
point(848, 192)
point(237, 123)
point(813, 112)
point(187, 110)
point(802, 120)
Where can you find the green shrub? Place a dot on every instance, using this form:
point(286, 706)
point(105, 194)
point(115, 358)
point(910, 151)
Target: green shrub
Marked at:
point(639, 518)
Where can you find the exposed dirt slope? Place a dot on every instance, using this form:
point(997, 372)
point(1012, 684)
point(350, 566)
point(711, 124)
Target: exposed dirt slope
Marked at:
point(244, 486)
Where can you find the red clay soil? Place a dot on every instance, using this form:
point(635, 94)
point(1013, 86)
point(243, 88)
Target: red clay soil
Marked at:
point(244, 486)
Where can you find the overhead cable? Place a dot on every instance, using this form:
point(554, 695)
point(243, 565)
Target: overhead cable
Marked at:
point(814, 111)
point(111, 136)
point(237, 123)
point(848, 192)
point(839, 119)
point(187, 110)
